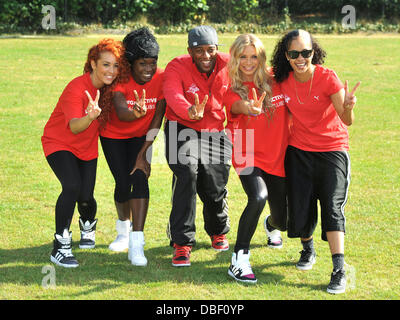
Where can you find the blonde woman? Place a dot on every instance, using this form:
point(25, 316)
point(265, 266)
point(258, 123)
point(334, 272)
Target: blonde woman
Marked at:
point(258, 127)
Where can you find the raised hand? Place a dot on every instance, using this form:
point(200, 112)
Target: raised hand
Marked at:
point(93, 110)
point(196, 111)
point(255, 105)
point(349, 98)
point(139, 106)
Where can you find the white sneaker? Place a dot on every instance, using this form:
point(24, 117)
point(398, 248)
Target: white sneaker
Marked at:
point(240, 268)
point(121, 243)
point(274, 236)
point(136, 252)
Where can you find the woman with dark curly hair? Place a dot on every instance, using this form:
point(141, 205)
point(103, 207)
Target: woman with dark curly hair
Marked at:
point(137, 114)
point(70, 145)
point(317, 163)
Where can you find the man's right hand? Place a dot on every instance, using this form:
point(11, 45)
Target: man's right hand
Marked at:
point(196, 111)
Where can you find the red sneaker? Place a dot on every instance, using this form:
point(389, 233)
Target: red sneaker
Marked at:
point(181, 256)
point(219, 242)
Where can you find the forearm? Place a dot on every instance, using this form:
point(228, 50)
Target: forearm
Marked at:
point(347, 116)
point(155, 125)
point(240, 107)
point(77, 125)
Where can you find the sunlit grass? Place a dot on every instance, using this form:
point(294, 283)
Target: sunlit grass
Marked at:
point(34, 73)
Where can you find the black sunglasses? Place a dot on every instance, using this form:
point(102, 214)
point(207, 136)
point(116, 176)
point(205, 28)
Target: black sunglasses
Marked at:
point(293, 54)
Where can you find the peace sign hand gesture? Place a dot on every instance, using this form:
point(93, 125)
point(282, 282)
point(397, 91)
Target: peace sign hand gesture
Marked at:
point(93, 110)
point(139, 106)
point(255, 105)
point(349, 98)
point(196, 111)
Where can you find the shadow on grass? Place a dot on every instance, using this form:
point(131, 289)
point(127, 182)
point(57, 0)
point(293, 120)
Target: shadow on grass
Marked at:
point(101, 270)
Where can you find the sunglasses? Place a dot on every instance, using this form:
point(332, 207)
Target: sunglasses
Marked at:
point(293, 54)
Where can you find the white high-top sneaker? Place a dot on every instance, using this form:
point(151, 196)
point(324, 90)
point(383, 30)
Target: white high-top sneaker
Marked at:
point(121, 243)
point(240, 268)
point(136, 253)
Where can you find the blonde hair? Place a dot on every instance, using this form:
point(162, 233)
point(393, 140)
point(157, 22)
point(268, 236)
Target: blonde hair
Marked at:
point(262, 78)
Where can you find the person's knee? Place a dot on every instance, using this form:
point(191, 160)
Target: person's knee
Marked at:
point(140, 185)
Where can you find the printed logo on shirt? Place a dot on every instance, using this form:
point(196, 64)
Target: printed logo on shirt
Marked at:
point(287, 99)
point(150, 103)
point(316, 98)
point(193, 89)
point(278, 100)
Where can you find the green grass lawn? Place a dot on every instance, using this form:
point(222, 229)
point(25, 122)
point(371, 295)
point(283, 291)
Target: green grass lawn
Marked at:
point(35, 70)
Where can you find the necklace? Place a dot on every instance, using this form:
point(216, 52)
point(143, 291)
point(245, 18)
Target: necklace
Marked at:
point(309, 91)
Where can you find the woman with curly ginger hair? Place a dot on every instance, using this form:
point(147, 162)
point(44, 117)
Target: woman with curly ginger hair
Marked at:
point(317, 163)
point(136, 116)
point(258, 127)
point(70, 144)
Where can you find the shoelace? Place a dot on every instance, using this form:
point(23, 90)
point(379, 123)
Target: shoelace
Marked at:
point(65, 250)
point(182, 251)
point(337, 277)
point(88, 235)
point(218, 239)
point(305, 255)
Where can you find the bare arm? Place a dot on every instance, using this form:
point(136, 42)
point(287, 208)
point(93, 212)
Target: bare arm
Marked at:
point(123, 111)
point(142, 162)
point(344, 102)
point(77, 125)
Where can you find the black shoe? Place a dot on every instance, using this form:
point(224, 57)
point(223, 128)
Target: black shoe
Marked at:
point(88, 234)
point(62, 254)
point(338, 282)
point(307, 260)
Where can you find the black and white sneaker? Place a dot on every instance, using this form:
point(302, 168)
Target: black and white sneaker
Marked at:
point(307, 260)
point(88, 234)
point(274, 236)
point(240, 268)
point(62, 254)
point(338, 282)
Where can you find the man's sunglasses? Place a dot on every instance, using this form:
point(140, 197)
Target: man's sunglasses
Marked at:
point(293, 54)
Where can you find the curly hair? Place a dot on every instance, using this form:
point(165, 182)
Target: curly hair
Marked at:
point(118, 50)
point(262, 78)
point(281, 66)
point(140, 43)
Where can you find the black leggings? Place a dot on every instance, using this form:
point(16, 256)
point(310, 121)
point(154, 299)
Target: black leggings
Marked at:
point(121, 157)
point(260, 187)
point(77, 178)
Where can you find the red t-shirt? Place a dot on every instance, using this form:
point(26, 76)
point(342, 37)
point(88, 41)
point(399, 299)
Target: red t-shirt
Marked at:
point(117, 129)
point(265, 138)
point(182, 80)
point(72, 103)
point(316, 124)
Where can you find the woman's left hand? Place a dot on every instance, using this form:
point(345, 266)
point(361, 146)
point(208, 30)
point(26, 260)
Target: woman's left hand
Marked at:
point(93, 110)
point(349, 98)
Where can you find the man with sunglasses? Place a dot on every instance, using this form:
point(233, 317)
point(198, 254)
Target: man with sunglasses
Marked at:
point(317, 163)
point(197, 150)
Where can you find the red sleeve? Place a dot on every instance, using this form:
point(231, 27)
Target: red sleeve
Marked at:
point(230, 98)
point(173, 90)
point(72, 103)
point(334, 84)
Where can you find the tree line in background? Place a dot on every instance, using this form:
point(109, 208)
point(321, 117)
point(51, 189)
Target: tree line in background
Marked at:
point(26, 15)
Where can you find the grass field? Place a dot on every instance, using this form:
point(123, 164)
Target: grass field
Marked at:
point(34, 71)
